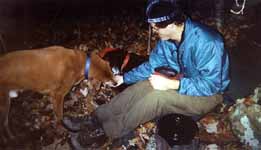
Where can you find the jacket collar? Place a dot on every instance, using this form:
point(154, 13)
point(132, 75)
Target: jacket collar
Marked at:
point(187, 28)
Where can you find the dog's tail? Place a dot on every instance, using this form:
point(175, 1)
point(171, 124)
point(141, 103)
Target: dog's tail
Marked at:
point(3, 49)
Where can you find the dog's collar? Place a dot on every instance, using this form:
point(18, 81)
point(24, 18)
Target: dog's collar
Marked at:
point(87, 66)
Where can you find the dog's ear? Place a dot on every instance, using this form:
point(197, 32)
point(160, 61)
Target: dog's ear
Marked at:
point(97, 58)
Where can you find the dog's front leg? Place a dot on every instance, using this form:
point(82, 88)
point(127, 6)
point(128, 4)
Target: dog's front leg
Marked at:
point(57, 100)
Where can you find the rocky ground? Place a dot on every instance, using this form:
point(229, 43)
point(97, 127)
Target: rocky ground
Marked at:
point(32, 118)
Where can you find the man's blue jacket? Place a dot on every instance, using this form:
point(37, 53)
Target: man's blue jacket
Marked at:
point(200, 57)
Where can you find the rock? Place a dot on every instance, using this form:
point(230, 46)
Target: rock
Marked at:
point(245, 119)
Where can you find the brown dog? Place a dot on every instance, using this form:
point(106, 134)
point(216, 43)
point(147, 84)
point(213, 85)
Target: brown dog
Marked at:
point(52, 70)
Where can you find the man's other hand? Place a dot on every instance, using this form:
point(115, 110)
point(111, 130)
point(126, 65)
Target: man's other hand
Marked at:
point(118, 79)
point(160, 82)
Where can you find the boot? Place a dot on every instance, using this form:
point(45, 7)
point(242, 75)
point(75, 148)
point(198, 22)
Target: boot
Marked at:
point(87, 138)
point(75, 124)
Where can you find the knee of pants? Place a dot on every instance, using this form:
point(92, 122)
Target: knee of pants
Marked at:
point(156, 97)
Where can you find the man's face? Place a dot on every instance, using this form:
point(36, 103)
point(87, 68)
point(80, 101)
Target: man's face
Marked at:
point(166, 33)
point(163, 33)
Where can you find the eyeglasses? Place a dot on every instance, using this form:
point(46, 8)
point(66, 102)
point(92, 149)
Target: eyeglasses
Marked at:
point(157, 26)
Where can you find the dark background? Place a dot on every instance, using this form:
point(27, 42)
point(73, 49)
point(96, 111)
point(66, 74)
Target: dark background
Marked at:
point(19, 19)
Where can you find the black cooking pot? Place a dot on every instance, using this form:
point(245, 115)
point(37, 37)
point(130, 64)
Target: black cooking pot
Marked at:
point(177, 129)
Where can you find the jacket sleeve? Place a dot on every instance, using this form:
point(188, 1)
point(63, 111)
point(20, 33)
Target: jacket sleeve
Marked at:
point(143, 71)
point(208, 62)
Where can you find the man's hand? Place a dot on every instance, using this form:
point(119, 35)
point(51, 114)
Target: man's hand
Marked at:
point(118, 79)
point(159, 82)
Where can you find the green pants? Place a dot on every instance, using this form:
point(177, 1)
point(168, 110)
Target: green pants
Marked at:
point(140, 103)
